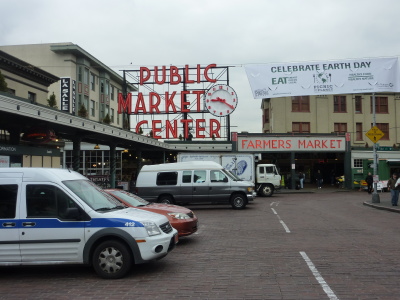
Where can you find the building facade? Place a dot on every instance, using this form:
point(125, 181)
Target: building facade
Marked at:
point(350, 115)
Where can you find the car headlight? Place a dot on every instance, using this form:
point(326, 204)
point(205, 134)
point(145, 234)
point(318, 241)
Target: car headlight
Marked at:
point(250, 189)
point(151, 227)
point(179, 216)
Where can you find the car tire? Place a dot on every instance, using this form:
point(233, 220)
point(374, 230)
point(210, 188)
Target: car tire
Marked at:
point(267, 190)
point(112, 260)
point(166, 199)
point(238, 201)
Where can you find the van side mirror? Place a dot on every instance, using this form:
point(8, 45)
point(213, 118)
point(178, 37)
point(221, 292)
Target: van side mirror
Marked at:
point(225, 179)
point(72, 213)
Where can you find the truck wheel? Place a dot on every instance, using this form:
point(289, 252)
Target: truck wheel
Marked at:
point(111, 260)
point(238, 201)
point(267, 190)
point(167, 199)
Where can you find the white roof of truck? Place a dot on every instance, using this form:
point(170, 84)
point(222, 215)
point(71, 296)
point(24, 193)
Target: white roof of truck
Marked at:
point(189, 165)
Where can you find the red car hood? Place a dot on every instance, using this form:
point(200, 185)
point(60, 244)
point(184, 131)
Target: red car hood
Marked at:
point(169, 208)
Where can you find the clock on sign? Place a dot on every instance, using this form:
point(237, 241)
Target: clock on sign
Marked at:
point(221, 100)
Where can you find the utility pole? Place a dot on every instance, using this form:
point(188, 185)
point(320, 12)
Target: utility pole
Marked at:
point(375, 195)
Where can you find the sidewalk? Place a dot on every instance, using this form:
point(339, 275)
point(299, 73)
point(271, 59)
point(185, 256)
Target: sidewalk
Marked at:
point(384, 198)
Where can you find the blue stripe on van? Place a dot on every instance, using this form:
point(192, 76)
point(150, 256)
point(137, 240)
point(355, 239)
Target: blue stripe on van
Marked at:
point(55, 223)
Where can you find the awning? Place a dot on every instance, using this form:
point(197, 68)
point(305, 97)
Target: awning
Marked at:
point(393, 161)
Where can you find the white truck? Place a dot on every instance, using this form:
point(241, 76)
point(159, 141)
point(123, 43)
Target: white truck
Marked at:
point(265, 177)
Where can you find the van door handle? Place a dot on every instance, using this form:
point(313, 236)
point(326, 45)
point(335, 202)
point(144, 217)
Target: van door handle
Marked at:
point(28, 224)
point(194, 189)
point(9, 224)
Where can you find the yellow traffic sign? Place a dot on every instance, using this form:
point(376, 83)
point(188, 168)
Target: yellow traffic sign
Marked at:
point(374, 134)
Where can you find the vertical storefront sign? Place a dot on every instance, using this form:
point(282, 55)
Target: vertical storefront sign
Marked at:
point(65, 94)
point(73, 95)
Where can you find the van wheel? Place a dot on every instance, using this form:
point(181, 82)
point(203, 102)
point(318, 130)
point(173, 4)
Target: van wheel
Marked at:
point(267, 190)
point(111, 260)
point(238, 201)
point(166, 199)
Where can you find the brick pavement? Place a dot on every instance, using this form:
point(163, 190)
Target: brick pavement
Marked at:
point(247, 254)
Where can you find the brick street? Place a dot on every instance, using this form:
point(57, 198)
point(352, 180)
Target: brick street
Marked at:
point(251, 254)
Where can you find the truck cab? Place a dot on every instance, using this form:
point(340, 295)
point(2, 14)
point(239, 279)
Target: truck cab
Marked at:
point(267, 179)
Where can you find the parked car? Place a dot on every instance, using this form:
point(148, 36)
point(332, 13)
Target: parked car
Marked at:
point(181, 218)
point(58, 216)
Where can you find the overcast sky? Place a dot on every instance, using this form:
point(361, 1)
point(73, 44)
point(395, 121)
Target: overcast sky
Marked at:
point(225, 32)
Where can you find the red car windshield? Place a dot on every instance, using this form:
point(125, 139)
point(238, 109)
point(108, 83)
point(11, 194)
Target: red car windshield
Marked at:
point(129, 198)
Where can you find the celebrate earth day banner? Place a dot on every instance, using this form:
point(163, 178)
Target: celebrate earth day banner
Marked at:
point(366, 75)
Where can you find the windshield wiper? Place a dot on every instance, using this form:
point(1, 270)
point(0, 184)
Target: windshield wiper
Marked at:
point(103, 209)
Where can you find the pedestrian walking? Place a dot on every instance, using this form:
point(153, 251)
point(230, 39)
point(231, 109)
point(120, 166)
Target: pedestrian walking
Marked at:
point(318, 178)
point(301, 179)
point(369, 180)
point(394, 190)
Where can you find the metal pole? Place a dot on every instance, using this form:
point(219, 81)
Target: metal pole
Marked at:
point(375, 195)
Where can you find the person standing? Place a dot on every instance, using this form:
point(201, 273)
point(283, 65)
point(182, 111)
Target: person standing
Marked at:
point(319, 179)
point(394, 192)
point(301, 179)
point(369, 180)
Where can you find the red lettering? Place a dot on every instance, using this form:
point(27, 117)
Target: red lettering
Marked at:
point(184, 104)
point(215, 131)
point(142, 77)
point(258, 144)
point(156, 129)
point(137, 129)
point(310, 144)
point(317, 144)
point(175, 77)
point(250, 145)
point(206, 73)
point(187, 80)
point(185, 123)
point(140, 105)
point(125, 106)
point(200, 128)
point(244, 144)
point(154, 106)
point(339, 142)
point(171, 129)
point(288, 144)
point(302, 144)
point(281, 144)
point(163, 76)
point(169, 101)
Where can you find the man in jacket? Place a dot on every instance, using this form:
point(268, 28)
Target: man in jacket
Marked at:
point(392, 188)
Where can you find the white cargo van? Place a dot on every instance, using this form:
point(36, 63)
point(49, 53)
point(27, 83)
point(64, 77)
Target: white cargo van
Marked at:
point(57, 216)
point(193, 182)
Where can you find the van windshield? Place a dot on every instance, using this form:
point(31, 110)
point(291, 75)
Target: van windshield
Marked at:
point(92, 195)
point(231, 175)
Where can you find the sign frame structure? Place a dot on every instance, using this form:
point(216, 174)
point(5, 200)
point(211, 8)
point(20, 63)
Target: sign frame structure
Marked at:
point(374, 134)
point(168, 97)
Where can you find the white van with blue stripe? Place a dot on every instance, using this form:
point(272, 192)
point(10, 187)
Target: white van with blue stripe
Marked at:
point(58, 216)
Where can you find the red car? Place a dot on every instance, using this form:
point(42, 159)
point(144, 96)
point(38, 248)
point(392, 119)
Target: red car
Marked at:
point(181, 218)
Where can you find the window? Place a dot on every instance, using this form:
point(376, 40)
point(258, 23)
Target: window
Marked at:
point(102, 87)
point(186, 176)
point(32, 97)
point(266, 116)
point(107, 86)
point(218, 176)
point(112, 115)
point(359, 132)
point(381, 105)
point(339, 104)
point(8, 200)
point(384, 127)
point(167, 178)
point(80, 74)
point(43, 201)
point(92, 110)
point(86, 76)
point(11, 91)
point(92, 81)
point(358, 104)
point(112, 93)
point(340, 127)
point(357, 163)
point(301, 104)
point(301, 127)
point(199, 176)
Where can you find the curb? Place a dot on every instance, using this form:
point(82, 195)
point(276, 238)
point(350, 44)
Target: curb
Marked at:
point(382, 207)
